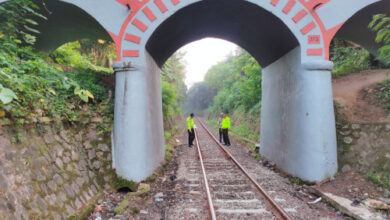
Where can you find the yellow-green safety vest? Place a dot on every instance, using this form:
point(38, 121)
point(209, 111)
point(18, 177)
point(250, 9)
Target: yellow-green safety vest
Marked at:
point(225, 123)
point(190, 123)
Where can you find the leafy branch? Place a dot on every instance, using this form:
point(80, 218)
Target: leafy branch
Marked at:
point(381, 24)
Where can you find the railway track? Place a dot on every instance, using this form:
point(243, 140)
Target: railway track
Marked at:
point(232, 193)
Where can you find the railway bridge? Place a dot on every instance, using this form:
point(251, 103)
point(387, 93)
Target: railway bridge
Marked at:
point(289, 38)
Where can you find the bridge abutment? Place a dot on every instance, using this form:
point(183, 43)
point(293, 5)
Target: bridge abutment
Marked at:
point(297, 118)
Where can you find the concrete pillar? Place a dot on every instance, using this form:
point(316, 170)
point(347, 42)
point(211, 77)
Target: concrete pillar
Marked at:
point(298, 130)
point(138, 123)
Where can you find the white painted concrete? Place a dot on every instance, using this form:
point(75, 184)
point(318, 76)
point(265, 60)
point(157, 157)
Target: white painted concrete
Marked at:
point(138, 134)
point(297, 119)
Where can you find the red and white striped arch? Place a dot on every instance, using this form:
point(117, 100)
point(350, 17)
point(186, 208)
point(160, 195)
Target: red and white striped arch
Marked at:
point(298, 15)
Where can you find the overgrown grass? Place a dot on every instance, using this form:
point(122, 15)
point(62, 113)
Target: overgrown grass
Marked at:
point(243, 129)
point(382, 180)
point(349, 58)
point(257, 156)
point(122, 206)
point(299, 181)
point(383, 94)
point(169, 137)
point(168, 152)
point(121, 183)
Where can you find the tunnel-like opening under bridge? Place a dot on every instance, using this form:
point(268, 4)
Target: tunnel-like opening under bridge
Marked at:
point(297, 120)
point(289, 38)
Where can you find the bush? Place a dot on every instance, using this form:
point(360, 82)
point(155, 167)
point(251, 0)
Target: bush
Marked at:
point(382, 180)
point(122, 183)
point(383, 94)
point(381, 24)
point(348, 58)
point(30, 86)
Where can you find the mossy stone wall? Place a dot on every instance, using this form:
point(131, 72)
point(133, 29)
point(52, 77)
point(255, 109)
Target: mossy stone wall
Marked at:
point(53, 172)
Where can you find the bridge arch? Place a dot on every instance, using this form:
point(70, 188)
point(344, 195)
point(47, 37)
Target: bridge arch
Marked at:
point(297, 121)
point(297, 16)
point(285, 38)
point(358, 23)
point(66, 23)
point(298, 126)
point(251, 30)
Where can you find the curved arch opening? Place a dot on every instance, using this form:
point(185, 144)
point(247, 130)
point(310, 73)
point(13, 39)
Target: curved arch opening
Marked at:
point(358, 23)
point(66, 23)
point(251, 27)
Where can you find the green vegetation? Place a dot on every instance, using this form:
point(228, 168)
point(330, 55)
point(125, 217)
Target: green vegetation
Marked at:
point(71, 55)
point(173, 88)
point(382, 180)
point(84, 214)
point(246, 129)
point(234, 83)
point(299, 181)
point(119, 182)
point(383, 94)
point(140, 193)
point(168, 152)
point(67, 84)
point(381, 25)
point(136, 210)
point(257, 156)
point(122, 206)
point(233, 86)
point(35, 86)
point(151, 178)
point(349, 58)
point(129, 201)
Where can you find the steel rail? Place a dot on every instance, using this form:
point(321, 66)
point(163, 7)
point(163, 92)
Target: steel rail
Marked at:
point(209, 199)
point(279, 209)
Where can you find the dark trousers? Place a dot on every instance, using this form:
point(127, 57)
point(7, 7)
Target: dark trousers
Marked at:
point(226, 136)
point(191, 137)
point(220, 135)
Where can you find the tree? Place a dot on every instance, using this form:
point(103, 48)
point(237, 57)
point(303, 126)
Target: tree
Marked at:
point(234, 83)
point(381, 25)
point(200, 97)
point(173, 87)
point(174, 72)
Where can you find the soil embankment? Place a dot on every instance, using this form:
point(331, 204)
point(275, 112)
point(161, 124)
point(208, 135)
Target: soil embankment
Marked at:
point(354, 93)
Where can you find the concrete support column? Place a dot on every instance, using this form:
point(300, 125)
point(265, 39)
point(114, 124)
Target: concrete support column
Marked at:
point(138, 123)
point(298, 129)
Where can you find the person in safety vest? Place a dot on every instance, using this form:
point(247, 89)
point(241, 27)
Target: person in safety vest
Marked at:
point(225, 125)
point(190, 129)
point(220, 127)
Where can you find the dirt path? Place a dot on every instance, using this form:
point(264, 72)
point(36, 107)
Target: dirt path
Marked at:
point(354, 93)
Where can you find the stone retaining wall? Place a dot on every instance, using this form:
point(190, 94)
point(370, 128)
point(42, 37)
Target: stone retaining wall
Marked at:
point(50, 174)
point(364, 147)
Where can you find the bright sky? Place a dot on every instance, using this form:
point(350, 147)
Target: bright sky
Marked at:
point(203, 54)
